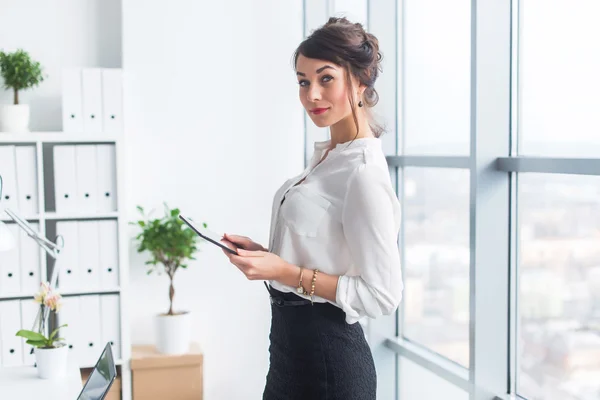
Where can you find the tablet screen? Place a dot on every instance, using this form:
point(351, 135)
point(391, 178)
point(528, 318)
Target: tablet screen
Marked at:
point(206, 233)
point(101, 378)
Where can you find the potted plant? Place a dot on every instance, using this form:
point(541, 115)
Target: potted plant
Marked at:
point(50, 352)
point(19, 72)
point(170, 244)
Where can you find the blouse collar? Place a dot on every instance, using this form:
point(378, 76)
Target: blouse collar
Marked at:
point(360, 142)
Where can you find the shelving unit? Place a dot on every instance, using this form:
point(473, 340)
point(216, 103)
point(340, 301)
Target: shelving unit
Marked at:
point(41, 140)
point(55, 137)
point(30, 218)
point(51, 216)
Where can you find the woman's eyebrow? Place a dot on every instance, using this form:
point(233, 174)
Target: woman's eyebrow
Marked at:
point(323, 68)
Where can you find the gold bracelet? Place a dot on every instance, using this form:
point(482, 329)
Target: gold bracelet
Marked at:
point(312, 286)
point(300, 289)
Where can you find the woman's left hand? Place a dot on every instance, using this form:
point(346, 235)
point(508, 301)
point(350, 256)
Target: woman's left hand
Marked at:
point(258, 265)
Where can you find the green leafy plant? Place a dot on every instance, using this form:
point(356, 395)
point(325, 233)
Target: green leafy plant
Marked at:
point(170, 243)
point(19, 72)
point(38, 340)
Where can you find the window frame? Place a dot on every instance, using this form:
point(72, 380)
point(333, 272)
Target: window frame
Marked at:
point(491, 343)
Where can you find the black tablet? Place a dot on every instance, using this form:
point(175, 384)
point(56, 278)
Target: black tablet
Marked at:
point(102, 377)
point(206, 234)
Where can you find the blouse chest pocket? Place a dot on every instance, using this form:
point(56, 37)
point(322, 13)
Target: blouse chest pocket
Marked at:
point(304, 211)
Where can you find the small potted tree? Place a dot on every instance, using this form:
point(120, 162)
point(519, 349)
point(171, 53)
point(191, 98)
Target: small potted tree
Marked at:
point(50, 351)
point(19, 72)
point(170, 244)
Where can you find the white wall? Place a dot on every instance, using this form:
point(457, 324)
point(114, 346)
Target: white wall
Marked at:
point(214, 127)
point(58, 34)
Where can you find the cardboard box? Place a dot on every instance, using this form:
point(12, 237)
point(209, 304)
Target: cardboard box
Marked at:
point(115, 390)
point(159, 376)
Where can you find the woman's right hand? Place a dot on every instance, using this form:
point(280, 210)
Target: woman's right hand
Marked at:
point(244, 242)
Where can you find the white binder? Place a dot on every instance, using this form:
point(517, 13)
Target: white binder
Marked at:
point(107, 177)
point(26, 164)
point(29, 310)
point(70, 315)
point(86, 172)
point(65, 178)
point(89, 255)
point(8, 171)
point(110, 321)
point(112, 101)
point(10, 324)
point(10, 270)
point(72, 102)
point(68, 261)
point(91, 334)
point(30, 262)
point(109, 254)
point(92, 100)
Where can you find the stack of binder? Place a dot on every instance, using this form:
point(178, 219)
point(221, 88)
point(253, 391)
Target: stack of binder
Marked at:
point(18, 168)
point(85, 178)
point(92, 100)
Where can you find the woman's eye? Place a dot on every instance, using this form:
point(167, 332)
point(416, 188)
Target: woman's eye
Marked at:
point(327, 78)
point(303, 83)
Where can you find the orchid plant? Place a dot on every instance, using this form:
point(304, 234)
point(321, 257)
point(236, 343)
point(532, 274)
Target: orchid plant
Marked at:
point(50, 299)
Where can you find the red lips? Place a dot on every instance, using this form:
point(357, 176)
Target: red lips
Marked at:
point(318, 111)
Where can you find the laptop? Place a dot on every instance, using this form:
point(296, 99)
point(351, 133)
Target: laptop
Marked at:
point(102, 377)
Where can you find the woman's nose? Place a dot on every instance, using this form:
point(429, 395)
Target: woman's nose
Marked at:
point(314, 93)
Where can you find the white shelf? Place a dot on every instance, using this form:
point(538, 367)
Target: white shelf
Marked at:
point(52, 216)
point(25, 296)
point(5, 218)
point(56, 137)
point(17, 297)
point(88, 292)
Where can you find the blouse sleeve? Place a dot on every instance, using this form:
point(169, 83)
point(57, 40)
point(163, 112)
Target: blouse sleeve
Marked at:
point(371, 221)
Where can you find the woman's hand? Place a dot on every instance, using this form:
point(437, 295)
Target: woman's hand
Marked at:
point(243, 242)
point(260, 265)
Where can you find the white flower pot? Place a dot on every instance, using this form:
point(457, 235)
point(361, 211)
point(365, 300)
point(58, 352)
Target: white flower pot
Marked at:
point(51, 363)
point(14, 118)
point(173, 333)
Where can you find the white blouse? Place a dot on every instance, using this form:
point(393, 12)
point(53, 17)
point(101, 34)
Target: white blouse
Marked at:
point(343, 219)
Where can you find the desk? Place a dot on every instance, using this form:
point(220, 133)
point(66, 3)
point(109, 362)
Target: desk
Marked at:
point(22, 383)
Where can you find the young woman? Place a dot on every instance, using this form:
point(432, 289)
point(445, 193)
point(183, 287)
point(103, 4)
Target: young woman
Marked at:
point(333, 254)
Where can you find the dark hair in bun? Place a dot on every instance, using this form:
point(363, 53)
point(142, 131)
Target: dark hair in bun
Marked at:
point(348, 44)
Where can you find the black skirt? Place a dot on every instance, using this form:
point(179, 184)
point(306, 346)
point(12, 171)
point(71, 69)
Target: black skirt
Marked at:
point(315, 354)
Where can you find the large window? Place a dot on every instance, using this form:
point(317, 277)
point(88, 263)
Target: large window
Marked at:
point(502, 258)
point(560, 84)
point(558, 214)
point(559, 287)
point(436, 59)
point(436, 246)
point(434, 113)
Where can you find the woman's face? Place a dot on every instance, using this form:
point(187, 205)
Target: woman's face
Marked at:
point(323, 90)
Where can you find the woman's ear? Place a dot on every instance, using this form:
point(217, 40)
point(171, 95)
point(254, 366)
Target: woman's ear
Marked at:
point(361, 91)
point(361, 87)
